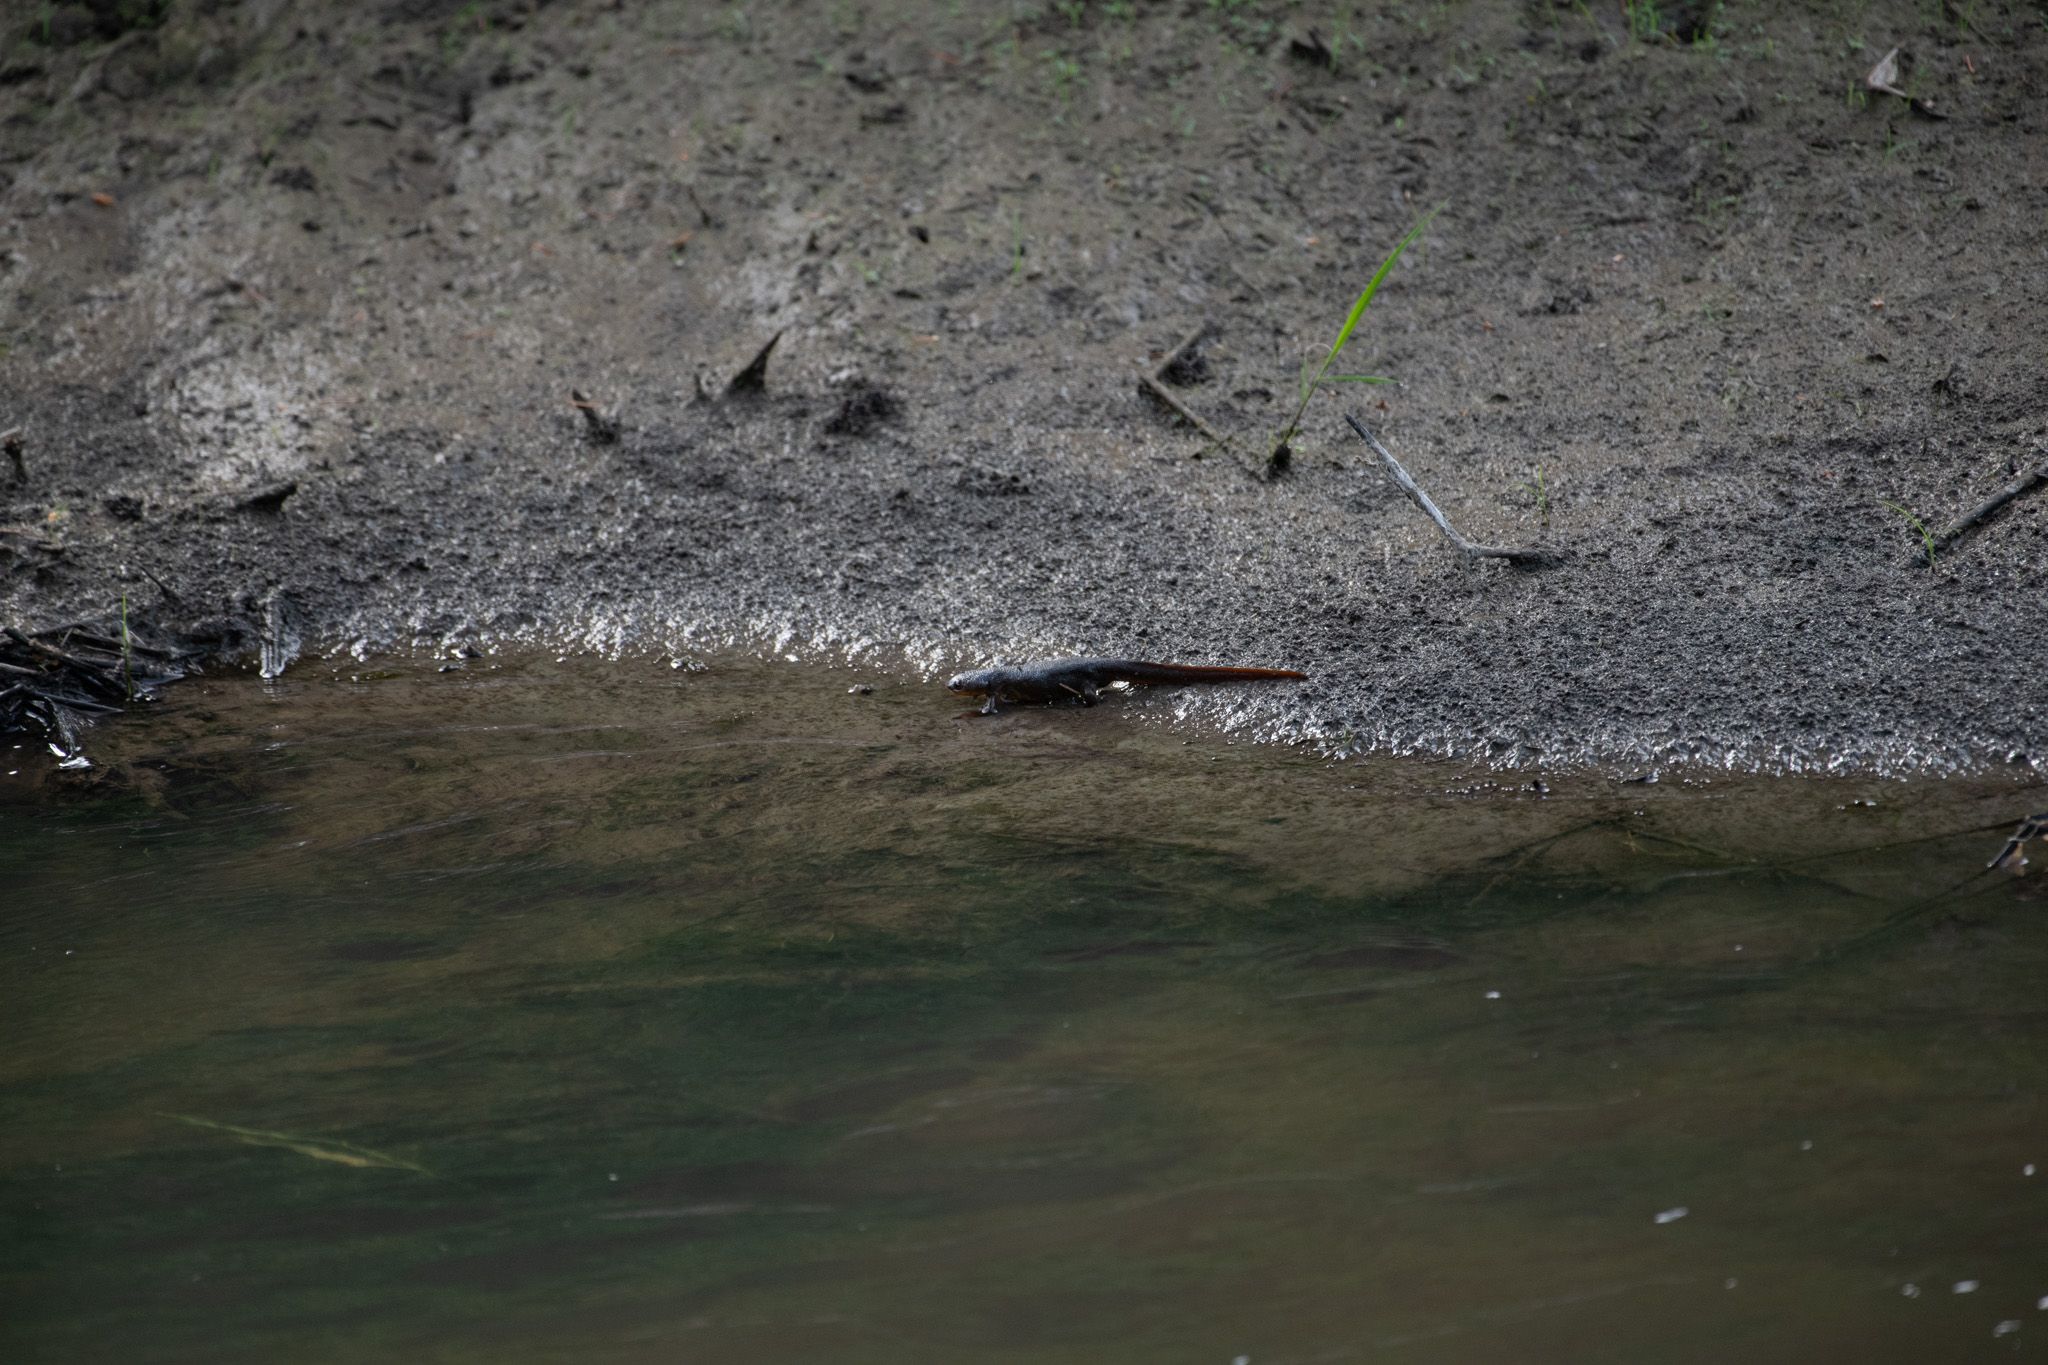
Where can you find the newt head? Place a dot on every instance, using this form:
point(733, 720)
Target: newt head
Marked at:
point(973, 683)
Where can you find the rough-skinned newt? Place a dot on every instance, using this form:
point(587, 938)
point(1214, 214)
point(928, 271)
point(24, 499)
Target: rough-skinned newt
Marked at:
point(1083, 679)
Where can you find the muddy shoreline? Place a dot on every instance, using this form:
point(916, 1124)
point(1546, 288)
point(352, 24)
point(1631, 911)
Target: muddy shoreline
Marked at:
point(295, 300)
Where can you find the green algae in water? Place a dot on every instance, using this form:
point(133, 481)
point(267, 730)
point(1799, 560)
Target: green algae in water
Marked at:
point(729, 1015)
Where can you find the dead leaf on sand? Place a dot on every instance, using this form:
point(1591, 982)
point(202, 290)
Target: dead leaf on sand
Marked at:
point(1884, 79)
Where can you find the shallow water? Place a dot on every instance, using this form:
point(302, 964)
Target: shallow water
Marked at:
point(619, 1012)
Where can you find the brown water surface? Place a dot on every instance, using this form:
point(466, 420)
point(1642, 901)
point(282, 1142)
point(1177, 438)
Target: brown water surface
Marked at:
point(609, 1011)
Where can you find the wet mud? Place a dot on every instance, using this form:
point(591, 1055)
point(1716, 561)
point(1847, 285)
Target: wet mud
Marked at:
point(418, 324)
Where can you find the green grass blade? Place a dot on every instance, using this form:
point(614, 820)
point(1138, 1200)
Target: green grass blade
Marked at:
point(1379, 277)
point(1919, 526)
point(1322, 375)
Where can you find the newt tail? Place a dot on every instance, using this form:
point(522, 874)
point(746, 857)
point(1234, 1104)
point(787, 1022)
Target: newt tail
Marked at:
point(1051, 680)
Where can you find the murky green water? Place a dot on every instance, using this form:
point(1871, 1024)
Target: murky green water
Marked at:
point(610, 1012)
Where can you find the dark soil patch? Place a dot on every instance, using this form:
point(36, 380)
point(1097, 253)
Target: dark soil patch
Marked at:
point(862, 411)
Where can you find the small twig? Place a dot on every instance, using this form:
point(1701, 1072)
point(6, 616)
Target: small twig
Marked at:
point(169, 592)
point(2018, 488)
point(269, 499)
point(1884, 79)
point(1174, 356)
point(111, 645)
point(63, 628)
point(50, 651)
point(40, 696)
point(1181, 410)
point(88, 671)
point(78, 703)
point(235, 286)
point(1472, 549)
point(603, 429)
point(2009, 857)
point(1154, 383)
point(754, 378)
